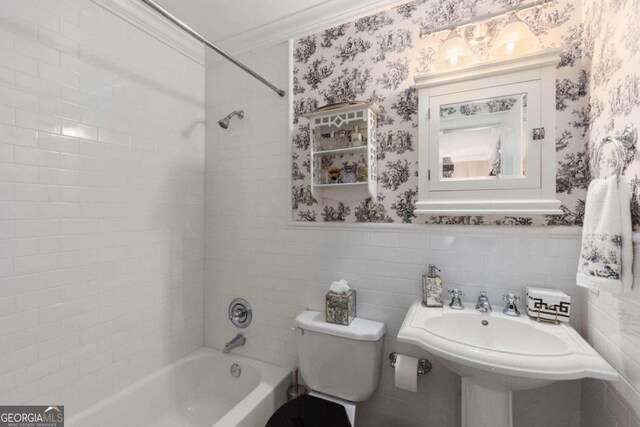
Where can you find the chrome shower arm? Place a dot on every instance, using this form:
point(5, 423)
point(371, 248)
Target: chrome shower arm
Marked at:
point(162, 11)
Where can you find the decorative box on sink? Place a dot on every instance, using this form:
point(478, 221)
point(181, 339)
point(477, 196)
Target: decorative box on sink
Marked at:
point(341, 308)
point(548, 304)
point(343, 152)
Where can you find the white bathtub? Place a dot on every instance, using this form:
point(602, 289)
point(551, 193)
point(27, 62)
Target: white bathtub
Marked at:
point(195, 391)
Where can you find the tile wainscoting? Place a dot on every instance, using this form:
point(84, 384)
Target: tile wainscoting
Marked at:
point(611, 324)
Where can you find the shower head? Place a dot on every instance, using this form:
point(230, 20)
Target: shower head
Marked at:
point(224, 123)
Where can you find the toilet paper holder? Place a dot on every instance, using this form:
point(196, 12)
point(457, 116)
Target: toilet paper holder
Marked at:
point(424, 365)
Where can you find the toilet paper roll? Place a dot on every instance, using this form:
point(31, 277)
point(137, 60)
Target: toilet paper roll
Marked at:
point(407, 373)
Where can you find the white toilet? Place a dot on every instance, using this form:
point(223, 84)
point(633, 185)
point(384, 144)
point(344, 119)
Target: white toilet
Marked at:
point(338, 363)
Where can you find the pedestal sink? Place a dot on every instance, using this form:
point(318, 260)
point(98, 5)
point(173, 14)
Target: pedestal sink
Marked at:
point(496, 354)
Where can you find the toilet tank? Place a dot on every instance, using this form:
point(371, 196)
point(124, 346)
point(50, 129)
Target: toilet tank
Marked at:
point(342, 361)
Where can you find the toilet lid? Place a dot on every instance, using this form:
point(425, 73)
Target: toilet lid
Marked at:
point(309, 411)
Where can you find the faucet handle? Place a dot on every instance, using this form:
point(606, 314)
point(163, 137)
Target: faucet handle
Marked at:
point(511, 309)
point(511, 298)
point(456, 293)
point(240, 313)
point(456, 302)
point(237, 313)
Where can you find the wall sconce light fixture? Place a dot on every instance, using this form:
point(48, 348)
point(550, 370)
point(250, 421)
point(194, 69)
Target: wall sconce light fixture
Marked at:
point(514, 38)
point(427, 31)
point(454, 52)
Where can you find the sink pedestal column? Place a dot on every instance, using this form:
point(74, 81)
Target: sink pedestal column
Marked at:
point(484, 406)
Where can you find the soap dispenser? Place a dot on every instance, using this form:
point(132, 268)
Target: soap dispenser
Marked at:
point(432, 288)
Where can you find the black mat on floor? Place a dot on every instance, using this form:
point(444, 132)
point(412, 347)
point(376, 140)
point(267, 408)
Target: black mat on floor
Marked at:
point(310, 411)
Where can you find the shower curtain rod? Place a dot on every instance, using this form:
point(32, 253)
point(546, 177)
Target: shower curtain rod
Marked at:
point(155, 6)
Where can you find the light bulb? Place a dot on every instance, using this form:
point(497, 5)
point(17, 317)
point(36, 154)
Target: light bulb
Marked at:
point(514, 37)
point(510, 47)
point(454, 60)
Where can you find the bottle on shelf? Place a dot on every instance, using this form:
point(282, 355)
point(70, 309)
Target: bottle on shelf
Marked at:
point(334, 174)
point(342, 139)
point(349, 172)
point(362, 170)
point(356, 137)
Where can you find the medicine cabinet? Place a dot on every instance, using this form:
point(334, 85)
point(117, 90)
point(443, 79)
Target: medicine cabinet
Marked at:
point(487, 138)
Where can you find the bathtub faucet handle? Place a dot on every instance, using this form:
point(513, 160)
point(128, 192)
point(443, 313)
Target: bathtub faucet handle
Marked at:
point(237, 313)
point(240, 313)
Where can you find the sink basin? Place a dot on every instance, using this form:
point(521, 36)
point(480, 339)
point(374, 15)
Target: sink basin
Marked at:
point(496, 354)
point(466, 328)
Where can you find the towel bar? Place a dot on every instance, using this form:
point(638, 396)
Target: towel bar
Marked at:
point(626, 139)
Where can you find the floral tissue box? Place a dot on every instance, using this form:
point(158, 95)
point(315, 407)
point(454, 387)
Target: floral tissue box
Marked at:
point(341, 308)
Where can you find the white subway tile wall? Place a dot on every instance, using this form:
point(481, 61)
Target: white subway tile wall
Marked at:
point(101, 203)
point(251, 252)
point(612, 326)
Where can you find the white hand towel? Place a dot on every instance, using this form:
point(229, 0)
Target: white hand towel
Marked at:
point(607, 249)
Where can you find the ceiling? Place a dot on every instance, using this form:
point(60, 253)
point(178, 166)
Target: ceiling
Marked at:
point(239, 24)
point(218, 20)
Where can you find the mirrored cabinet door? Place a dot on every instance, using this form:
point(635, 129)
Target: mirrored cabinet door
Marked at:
point(483, 139)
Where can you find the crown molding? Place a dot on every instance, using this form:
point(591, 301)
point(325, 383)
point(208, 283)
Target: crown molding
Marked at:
point(147, 20)
point(325, 15)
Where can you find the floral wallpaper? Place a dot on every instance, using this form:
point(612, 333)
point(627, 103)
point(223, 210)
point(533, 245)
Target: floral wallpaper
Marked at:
point(611, 50)
point(374, 58)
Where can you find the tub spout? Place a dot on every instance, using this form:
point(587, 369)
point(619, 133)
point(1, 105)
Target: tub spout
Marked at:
point(237, 341)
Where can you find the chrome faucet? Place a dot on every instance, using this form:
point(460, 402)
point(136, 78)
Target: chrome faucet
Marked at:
point(511, 309)
point(483, 304)
point(456, 302)
point(237, 341)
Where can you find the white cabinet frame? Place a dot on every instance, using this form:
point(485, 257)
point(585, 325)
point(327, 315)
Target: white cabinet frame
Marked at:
point(346, 192)
point(534, 194)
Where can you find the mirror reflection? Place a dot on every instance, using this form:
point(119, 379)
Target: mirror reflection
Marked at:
point(483, 139)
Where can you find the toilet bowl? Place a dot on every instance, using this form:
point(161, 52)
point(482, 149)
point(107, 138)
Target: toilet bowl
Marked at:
point(340, 364)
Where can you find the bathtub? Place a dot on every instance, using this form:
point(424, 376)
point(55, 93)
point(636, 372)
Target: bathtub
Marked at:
point(195, 391)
